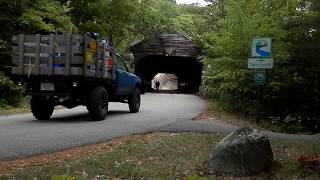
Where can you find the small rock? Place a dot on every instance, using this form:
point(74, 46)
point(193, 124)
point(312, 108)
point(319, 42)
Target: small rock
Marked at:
point(290, 119)
point(244, 152)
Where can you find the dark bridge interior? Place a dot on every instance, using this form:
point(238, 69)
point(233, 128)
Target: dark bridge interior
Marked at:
point(187, 69)
point(168, 52)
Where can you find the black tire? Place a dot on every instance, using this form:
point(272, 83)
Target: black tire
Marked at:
point(42, 107)
point(97, 103)
point(134, 101)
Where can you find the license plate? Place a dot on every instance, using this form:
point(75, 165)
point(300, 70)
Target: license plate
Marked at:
point(47, 87)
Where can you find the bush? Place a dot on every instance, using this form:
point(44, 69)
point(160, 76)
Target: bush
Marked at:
point(10, 93)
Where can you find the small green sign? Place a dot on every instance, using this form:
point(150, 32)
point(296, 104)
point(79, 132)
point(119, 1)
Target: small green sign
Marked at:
point(260, 77)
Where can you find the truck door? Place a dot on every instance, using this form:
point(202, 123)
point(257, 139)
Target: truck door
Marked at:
point(123, 77)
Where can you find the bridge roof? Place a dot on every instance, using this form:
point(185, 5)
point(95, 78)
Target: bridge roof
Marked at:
point(166, 43)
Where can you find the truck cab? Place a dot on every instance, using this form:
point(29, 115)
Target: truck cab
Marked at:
point(126, 81)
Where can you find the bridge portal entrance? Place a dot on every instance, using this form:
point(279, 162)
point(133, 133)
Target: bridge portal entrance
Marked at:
point(169, 53)
point(167, 82)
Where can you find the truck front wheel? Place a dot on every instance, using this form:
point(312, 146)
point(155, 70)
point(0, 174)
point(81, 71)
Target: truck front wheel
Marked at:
point(42, 107)
point(134, 101)
point(97, 103)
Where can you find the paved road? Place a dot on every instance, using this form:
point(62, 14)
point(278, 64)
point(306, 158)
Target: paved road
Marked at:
point(218, 127)
point(23, 136)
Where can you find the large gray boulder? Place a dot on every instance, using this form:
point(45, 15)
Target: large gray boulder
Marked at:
point(244, 152)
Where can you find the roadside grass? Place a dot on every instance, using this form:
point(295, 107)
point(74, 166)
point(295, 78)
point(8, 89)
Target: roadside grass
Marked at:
point(286, 153)
point(22, 107)
point(163, 156)
point(217, 113)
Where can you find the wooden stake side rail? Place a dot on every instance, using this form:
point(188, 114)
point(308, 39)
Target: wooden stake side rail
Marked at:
point(59, 55)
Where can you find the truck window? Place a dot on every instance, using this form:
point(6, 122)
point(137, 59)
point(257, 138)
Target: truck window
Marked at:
point(121, 65)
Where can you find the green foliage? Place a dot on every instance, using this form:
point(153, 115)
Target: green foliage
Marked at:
point(10, 93)
point(292, 86)
point(63, 178)
point(48, 16)
point(127, 22)
point(227, 50)
point(10, 11)
point(196, 177)
point(26, 16)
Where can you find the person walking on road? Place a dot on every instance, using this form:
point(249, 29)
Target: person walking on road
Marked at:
point(157, 85)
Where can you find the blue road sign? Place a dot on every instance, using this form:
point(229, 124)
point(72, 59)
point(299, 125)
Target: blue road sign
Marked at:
point(261, 48)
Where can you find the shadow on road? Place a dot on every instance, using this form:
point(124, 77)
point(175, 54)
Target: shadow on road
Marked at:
point(79, 117)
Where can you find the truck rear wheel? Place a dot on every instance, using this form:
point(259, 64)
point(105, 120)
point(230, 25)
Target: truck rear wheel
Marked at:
point(42, 107)
point(97, 103)
point(134, 101)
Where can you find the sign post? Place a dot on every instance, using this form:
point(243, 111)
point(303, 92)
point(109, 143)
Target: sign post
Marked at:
point(261, 59)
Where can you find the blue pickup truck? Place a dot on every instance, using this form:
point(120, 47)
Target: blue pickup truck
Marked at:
point(72, 70)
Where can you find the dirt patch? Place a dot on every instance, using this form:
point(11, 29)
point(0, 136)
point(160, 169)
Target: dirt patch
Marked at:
point(58, 157)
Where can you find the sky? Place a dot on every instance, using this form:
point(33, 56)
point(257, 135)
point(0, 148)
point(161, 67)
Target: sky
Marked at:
point(202, 2)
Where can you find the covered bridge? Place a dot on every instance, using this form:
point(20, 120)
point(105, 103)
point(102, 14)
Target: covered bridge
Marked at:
point(168, 52)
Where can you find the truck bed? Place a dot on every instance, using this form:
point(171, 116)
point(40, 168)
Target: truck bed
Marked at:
point(67, 55)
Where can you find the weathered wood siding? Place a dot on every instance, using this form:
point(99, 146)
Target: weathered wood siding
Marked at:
point(63, 55)
point(166, 44)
